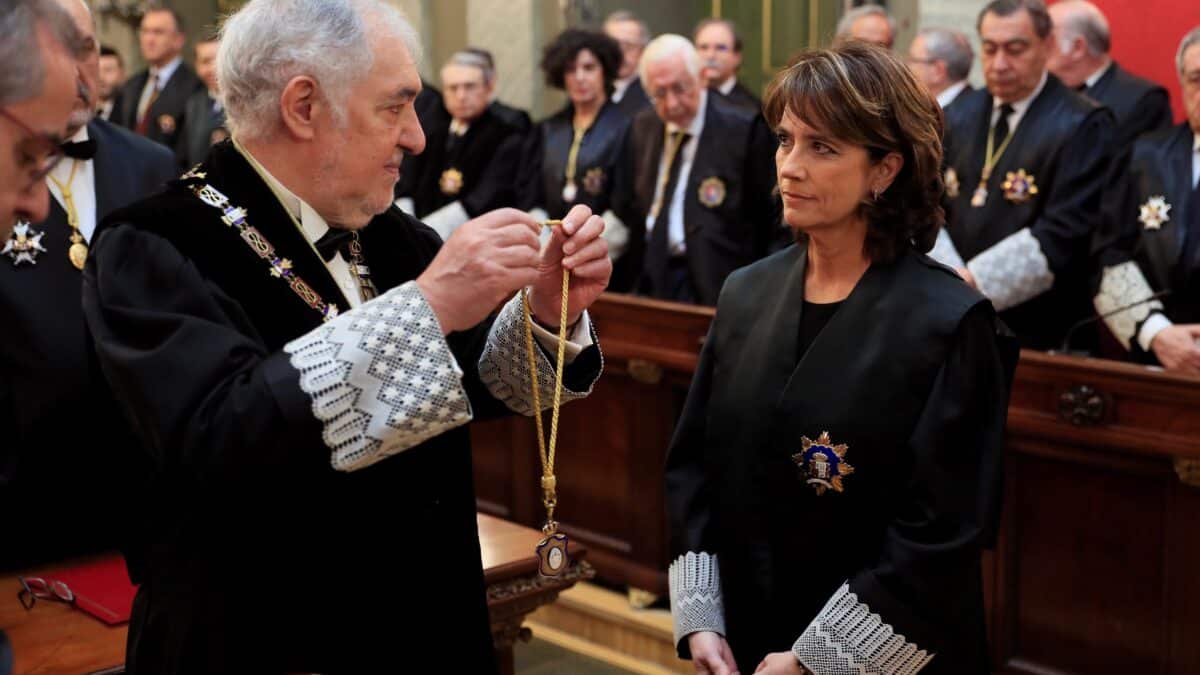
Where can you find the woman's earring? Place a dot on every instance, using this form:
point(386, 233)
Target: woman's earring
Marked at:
point(877, 193)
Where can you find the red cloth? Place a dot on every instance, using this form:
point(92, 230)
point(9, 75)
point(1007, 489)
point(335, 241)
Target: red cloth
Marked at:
point(101, 587)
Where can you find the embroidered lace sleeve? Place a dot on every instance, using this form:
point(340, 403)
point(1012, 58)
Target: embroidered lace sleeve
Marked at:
point(1122, 285)
point(696, 604)
point(381, 377)
point(1013, 271)
point(504, 364)
point(847, 638)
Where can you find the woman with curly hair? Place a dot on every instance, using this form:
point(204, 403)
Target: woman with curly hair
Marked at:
point(569, 157)
point(836, 473)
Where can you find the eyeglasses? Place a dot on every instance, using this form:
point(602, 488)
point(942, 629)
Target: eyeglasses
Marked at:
point(33, 588)
point(679, 89)
point(37, 153)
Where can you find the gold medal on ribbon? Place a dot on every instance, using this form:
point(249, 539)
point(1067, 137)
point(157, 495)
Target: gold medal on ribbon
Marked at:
point(552, 552)
point(451, 182)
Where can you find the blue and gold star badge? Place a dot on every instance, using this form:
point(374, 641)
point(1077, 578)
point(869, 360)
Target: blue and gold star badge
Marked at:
point(1019, 187)
point(822, 463)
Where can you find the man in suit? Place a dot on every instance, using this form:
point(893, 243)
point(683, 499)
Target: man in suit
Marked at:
point(697, 181)
point(513, 116)
point(154, 102)
point(869, 23)
point(37, 94)
point(720, 49)
point(1025, 166)
point(941, 58)
point(1151, 238)
point(205, 114)
point(470, 156)
point(632, 34)
point(53, 400)
point(112, 78)
point(1081, 61)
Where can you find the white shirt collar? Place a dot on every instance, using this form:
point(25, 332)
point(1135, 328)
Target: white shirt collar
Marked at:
point(728, 85)
point(1019, 107)
point(80, 136)
point(949, 93)
point(1196, 141)
point(1095, 77)
point(621, 86)
point(165, 73)
point(696, 127)
point(311, 222)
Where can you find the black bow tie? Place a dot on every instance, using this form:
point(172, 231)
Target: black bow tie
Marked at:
point(81, 150)
point(1081, 88)
point(332, 241)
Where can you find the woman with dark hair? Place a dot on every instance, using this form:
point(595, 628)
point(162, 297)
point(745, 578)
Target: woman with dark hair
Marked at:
point(569, 157)
point(836, 472)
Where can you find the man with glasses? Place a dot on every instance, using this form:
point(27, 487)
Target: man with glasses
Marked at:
point(37, 93)
point(941, 58)
point(470, 158)
point(697, 182)
point(1026, 161)
point(632, 34)
point(49, 361)
point(153, 103)
point(720, 49)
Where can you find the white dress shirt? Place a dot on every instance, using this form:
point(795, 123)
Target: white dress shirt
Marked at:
point(949, 93)
point(83, 188)
point(1019, 107)
point(622, 86)
point(676, 234)
point(1095, 77)
point(728, 85)
point(1195, 158)
point(163, 76)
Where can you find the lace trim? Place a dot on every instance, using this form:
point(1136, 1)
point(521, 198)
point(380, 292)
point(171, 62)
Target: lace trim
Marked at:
point(696, 601)
point(944, 251)
point(381, 377)
point(504, 365)
point(847, 639)
point(1012, 271)
point(1119, 286)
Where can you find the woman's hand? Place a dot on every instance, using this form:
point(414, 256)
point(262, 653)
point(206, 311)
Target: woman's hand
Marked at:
point(780, 663)
point(711, 654)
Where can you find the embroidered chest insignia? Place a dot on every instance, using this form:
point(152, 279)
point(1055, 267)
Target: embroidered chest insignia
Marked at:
point(166, 124)
point(593, 181)
point(1154, 212)
point(451, 182)
point(24, 245)
point(951, 181)
point(1019, 187)
point(822, 463)
point(712, 192)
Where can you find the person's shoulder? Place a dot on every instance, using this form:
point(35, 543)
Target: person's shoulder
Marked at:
point(934, 289)
point(131, 145)
point(750, 280)
point(1135, 85)
point(967, 107)
point(1153, 144)
point(730, 112)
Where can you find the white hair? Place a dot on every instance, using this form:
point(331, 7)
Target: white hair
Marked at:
point(268, 42)
point(1188, 41)
point(664, 47)
point(847, 21)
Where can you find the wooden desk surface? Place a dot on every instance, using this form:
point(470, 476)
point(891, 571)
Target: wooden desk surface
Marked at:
point(54, 638)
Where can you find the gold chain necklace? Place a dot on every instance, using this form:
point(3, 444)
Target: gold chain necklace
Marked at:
point(552, 550)
point(78, 251)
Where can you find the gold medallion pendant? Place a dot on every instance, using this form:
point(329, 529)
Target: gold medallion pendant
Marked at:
point(950, 180)
point(569, 191)
point(450, 182)
point(979, 197)
point(78, 251)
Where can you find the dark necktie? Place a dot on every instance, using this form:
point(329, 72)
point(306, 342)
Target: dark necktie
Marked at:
point(332, 241)
point(1000, 131)
point(82, 150)
point(1081, 88)
point(657, 252)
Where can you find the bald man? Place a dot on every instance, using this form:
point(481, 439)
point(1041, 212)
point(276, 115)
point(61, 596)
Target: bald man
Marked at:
point(1081, 60)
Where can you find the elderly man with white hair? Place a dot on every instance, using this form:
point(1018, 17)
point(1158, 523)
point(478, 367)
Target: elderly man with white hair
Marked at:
point(300, 360)
point(1081, 60)
point(38, 90)
point(869, 23)
point(697, 182)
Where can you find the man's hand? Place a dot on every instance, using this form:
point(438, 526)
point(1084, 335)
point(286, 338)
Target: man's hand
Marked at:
point(780, 663)
point(1176, 348)
point(711, 654)
point(480, 266)
point(577, 246)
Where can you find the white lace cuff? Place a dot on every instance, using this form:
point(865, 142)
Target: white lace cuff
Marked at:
point(1122, 285)
point(504, 364)
point(696, 604)
point(944, 251)
point(847, 639)
point(381, 377)
point(1012, 271)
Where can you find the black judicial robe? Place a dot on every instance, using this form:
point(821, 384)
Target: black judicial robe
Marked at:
point(56, 411)
point(544, 162)
point(737, 149)
point(741, 96)
point(966, 91)
point(486, 156)
point(515, 117)
point(1065, 141)
point(634, 100)
point(167, 115)
point(1140, 106)
point(1160, 166)
point(913, 374)
point(205, 128)
point(264, 558)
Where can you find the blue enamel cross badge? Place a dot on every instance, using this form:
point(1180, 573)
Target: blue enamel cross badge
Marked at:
point(822, 463)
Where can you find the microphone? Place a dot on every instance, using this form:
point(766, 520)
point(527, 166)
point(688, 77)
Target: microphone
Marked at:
point(1065, 347)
